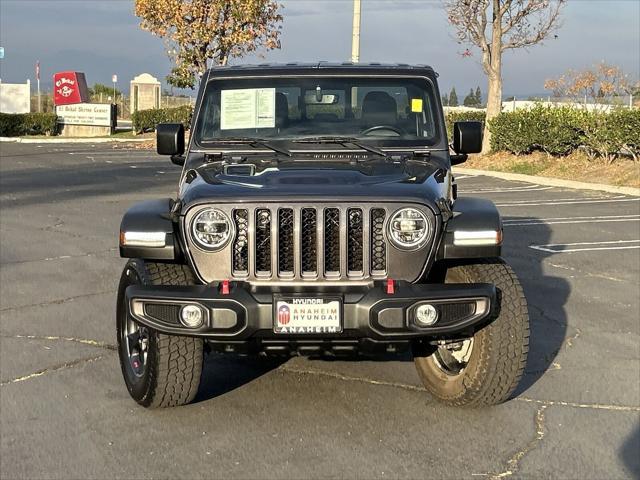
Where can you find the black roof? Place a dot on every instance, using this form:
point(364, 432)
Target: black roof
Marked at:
point(285, 68)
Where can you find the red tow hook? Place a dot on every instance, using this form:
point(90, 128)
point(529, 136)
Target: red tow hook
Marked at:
point(391, 287)
point(224, 287)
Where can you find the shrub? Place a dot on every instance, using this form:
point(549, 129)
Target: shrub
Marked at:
point(562, 130)
point(471, 115)
point(513, 132)
point(146, 120)
point(18, 124)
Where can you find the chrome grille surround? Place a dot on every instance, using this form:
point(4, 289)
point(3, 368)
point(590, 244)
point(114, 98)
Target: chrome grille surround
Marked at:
point(303, 241)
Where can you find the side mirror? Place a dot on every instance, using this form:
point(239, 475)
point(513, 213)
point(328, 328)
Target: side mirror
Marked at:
point(170, 141)
point(467, 137)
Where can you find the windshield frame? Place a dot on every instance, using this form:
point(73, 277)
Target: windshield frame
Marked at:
point(437, 142)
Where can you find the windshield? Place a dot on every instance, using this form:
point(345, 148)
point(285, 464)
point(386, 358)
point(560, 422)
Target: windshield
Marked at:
point(385, 110)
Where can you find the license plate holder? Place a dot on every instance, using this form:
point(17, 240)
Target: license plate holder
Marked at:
point(294, 315)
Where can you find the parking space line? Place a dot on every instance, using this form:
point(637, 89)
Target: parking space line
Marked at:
point(583, 246)
point(523, 222)
point(573, 201)
point(528, 188)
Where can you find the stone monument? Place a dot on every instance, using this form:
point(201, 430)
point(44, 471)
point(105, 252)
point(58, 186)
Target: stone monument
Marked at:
point(145, 92)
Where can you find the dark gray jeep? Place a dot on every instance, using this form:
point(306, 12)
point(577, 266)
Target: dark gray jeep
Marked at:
point(317, 214)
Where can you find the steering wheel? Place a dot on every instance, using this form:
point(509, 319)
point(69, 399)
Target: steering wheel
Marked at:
point(391, 128)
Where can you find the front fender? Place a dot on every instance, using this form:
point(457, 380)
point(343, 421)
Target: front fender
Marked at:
point(474, 230)
point(147, 232)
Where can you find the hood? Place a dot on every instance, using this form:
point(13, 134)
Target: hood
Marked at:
point(406, 181)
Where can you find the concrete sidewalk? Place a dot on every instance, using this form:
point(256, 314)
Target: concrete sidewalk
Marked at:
point(553, 182)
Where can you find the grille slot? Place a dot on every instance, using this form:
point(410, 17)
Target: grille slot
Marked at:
point(241, 243)
point(285, 241)
point(332, 241)
point(263, 241)
point(355, 241)
point(378, 243)
point(309, 241)
point(165, 312)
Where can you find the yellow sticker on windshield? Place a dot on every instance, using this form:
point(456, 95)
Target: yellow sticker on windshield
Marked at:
point(416, 105)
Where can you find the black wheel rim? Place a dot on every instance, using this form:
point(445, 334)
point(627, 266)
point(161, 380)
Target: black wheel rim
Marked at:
point(137, 346)
point(134, 338)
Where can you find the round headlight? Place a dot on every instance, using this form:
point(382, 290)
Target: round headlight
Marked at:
point(211, 229)
point(409, 229)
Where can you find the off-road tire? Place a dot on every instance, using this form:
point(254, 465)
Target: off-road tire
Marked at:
point(499, 353)
point(174, 363)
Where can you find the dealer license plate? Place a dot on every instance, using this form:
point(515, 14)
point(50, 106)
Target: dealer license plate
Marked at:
point(297, 315)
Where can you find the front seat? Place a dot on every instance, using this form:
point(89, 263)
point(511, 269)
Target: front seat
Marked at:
point(379, 108)
point(282, 110)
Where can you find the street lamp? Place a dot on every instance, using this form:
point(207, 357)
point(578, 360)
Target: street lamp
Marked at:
point(355, 40)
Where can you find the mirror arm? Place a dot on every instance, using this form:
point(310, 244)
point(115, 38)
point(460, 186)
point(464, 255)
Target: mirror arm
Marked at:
point(178, 159)
point(458, 158)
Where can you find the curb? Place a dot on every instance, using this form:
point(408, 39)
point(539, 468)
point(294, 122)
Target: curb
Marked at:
point(73, 140)
point(553, 182)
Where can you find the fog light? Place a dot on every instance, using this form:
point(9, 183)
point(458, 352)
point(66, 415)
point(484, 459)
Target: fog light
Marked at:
point(426, 315)
point(191, 316)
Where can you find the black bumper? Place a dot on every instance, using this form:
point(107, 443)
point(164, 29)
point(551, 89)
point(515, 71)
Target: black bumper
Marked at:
point(246, 315)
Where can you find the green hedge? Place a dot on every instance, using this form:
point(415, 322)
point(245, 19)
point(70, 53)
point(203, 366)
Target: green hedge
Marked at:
point(146, 120)
point(463, 116)
point(18, 124)
point(562, 130)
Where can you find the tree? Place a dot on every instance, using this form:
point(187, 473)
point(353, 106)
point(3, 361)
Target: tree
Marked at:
point(198, 32)
point(470, 100)
point(453, 98)
point(478, 97)
point(597, 85)
point(101, 89)
point(495, 26)
point(445, 100)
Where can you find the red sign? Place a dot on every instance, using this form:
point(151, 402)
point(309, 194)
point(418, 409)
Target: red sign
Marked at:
point(69, 88)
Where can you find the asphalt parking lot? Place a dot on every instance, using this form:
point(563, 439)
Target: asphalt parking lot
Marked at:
point(65, 412)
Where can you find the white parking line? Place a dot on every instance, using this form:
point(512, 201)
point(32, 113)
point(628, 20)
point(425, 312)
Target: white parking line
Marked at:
point(568, 201)
point(529, 188)
point(583, 246)
point(523, 222)
point(460, 177)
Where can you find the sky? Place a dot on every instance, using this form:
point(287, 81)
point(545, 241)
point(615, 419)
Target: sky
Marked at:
point(102, 37)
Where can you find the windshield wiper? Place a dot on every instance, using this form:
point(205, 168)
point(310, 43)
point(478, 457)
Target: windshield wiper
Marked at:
point(250, 141)
point(343, 141)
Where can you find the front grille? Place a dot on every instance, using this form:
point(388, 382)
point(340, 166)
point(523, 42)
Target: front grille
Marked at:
point(309, 242)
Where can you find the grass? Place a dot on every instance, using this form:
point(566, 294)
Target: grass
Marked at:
point(577, 166)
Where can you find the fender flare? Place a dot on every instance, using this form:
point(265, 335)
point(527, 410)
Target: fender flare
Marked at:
point(147, 231)
point(472, 216)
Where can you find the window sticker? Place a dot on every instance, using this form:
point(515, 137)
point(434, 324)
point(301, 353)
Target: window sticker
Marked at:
point(416, 105)
point(248, 108)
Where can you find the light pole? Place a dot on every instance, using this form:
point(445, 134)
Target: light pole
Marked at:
point(355, 40)
point(114, 79)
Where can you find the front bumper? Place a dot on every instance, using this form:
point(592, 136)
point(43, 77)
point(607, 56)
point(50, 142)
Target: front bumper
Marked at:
point(245, 315)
